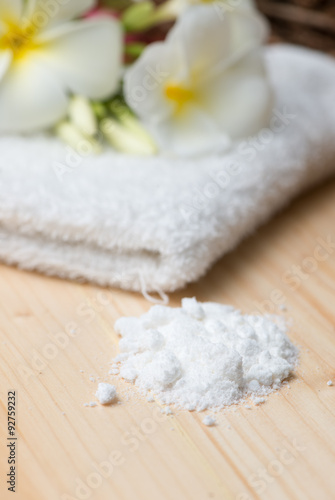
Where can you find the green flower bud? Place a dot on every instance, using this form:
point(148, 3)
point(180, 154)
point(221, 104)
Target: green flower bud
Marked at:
point(82, 116)
point(70, 134)
point(125, 139)
point(139, 17)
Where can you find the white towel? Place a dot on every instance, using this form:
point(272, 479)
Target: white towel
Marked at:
point(158, 223)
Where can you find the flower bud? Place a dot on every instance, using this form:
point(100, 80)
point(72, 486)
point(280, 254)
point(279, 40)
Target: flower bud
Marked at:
point(138, 17)
point(82, 115)
point(70, 134)
point(127, 118)
point(125, 140)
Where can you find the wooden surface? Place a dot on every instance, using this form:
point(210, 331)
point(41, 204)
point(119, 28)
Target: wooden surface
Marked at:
point(283, 449)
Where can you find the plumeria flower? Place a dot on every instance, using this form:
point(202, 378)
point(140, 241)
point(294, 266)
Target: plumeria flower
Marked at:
point(174, 8)
point(206, 85)
point(44, 56)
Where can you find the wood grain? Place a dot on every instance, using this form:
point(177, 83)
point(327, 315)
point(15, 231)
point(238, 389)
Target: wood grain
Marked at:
point(55, 335)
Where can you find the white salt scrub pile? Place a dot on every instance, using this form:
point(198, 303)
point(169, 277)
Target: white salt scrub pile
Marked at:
point(204, 355)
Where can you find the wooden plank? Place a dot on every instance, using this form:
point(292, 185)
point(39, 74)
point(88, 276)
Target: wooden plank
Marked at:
point(55, 335)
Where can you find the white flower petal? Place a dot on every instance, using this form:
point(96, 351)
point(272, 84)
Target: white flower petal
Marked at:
point(56, 11)
point(178, 7)
point(210, 44)
point(246, 4)
point(30, 99)
point(145, 80)
point(5, 60)
point(11, 10)
point(250, 29)
point(192, 133)
point(218, 41)
point(229, 6)
point(86, 56)
point(241, 100)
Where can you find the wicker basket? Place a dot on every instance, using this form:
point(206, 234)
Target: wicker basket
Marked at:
point(304, 22)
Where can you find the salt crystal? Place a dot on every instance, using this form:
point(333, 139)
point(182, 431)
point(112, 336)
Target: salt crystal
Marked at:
point(92, 404)
point(258, 401)
point(166, 411)
point(114, 371)
point(209, 421)
point(106, 393)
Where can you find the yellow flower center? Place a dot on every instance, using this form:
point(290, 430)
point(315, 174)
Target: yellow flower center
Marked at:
point(18, 39)
point(180, 95)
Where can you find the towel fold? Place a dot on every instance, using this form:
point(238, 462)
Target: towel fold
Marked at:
point(158, 223)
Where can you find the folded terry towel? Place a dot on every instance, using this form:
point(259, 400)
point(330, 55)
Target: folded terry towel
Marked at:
point(158, 223)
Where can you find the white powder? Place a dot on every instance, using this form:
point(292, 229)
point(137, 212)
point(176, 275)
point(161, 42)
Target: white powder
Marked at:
point(205, 355)
point(92, 404)
point(166, 411)
point(114, 371)
point(209, 421)
point(106, 393)
point(258, 401)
